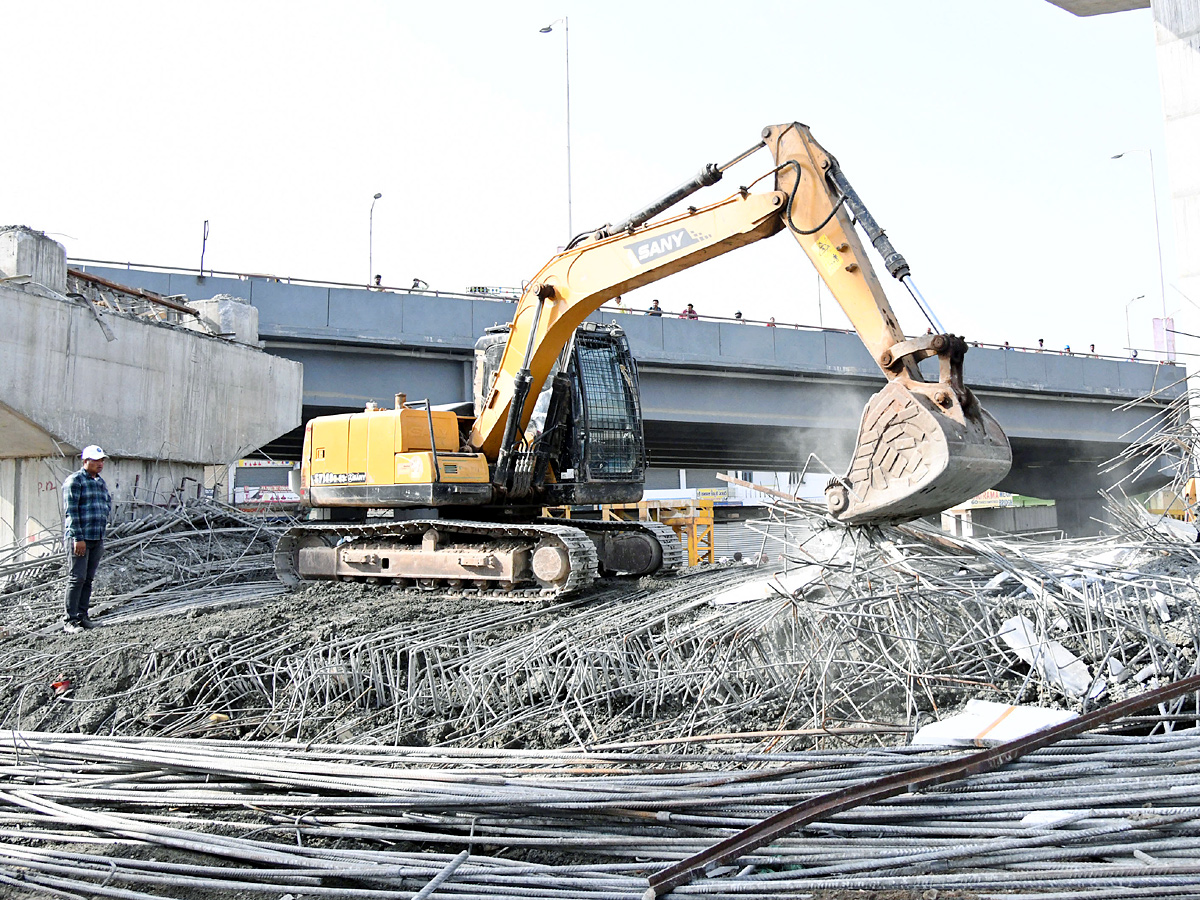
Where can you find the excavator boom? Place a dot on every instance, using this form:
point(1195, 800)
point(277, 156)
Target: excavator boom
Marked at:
point(922, 445)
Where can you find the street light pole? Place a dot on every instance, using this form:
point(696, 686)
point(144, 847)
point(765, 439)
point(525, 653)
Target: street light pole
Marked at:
point(371, 240)
point(1162, 290)
point(567, 48)
point(1128, 339)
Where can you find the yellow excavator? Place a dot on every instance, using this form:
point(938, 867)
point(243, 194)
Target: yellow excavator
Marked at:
point(556, 417)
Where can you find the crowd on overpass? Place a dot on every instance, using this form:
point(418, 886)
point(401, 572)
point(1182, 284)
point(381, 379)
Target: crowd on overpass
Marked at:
point(617, 305)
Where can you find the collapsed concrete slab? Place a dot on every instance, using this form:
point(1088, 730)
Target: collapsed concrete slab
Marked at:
point(163, 400)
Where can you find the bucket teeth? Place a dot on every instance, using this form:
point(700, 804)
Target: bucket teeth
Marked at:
point(913, 460)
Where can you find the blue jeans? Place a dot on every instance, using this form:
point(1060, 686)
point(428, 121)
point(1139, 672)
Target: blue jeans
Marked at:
point(83, 570)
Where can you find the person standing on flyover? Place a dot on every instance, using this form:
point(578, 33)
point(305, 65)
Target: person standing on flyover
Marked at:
point(86, 508)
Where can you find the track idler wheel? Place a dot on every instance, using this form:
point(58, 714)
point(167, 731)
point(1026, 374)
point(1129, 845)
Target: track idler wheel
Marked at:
point(551, 564)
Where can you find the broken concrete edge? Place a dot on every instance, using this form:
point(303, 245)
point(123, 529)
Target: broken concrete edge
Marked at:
point(25, 251)
point(30, 257)
point(750, 839)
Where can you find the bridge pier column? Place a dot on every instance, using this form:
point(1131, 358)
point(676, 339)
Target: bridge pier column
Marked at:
point(1077, 516)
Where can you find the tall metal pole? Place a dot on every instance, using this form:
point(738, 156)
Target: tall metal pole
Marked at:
point(567, 47)
point(371, 241)
point(1162, 290)
point(203, 247)
point(1128, 338)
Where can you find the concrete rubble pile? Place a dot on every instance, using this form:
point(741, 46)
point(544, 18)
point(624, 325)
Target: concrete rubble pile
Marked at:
point(889, 631)
point(862, 636)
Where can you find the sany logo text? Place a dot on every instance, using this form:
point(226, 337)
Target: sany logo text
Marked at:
point(652, 248)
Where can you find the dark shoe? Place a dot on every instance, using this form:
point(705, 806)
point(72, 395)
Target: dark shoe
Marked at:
point(73, 628)
point(85, 622)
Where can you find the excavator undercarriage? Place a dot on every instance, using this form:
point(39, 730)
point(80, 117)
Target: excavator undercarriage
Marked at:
point(535, 561)
point(588, 432)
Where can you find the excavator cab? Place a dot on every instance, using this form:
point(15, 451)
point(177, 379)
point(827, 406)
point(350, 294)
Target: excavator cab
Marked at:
point(584, 442)
point(607, 443)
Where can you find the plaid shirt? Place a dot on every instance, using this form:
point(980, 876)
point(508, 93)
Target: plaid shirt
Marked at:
point(86, 505)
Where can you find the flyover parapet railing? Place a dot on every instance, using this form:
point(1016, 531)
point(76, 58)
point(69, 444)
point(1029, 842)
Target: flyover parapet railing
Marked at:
point(509, 295)
point(501, 294)
point(1139, 355)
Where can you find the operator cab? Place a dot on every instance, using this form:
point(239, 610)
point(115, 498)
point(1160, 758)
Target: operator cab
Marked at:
point(593, 441)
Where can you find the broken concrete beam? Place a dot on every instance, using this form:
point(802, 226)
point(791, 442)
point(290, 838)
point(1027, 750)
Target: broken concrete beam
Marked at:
point(230, 316)
point(24, 251)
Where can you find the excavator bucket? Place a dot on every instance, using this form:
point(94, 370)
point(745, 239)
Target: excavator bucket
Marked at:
point(912, 459)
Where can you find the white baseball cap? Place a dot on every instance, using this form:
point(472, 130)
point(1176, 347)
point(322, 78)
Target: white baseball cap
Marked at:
point(93, 451)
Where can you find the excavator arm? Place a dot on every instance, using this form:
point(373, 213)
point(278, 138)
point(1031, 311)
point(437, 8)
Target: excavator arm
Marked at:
point(922, 446)
point(577, 282)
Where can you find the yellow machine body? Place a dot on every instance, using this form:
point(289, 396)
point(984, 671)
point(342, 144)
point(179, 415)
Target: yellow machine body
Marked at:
point(381, 457)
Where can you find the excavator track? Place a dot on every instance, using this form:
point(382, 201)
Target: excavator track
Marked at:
point(673, 555)
point(504, 557)
point(667, 560)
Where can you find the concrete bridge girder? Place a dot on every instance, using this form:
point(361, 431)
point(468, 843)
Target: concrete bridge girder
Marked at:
point(754, 420)
point(154, 392)
point(750, 397)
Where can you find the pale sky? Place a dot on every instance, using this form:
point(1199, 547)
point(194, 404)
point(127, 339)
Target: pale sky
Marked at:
point(978, 133)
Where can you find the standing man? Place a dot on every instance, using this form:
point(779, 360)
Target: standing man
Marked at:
point(655, 309)
point(86, 507)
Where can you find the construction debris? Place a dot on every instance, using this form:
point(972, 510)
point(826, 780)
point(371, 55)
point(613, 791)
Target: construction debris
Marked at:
point(753, 838)
point(196, 555)
point(862, 636)
point(218, 734)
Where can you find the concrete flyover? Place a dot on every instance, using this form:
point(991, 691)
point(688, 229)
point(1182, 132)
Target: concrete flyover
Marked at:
point(164, 398)
point(716, 395)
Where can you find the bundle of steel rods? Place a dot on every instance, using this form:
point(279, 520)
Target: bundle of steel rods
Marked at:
point(1084, 818)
